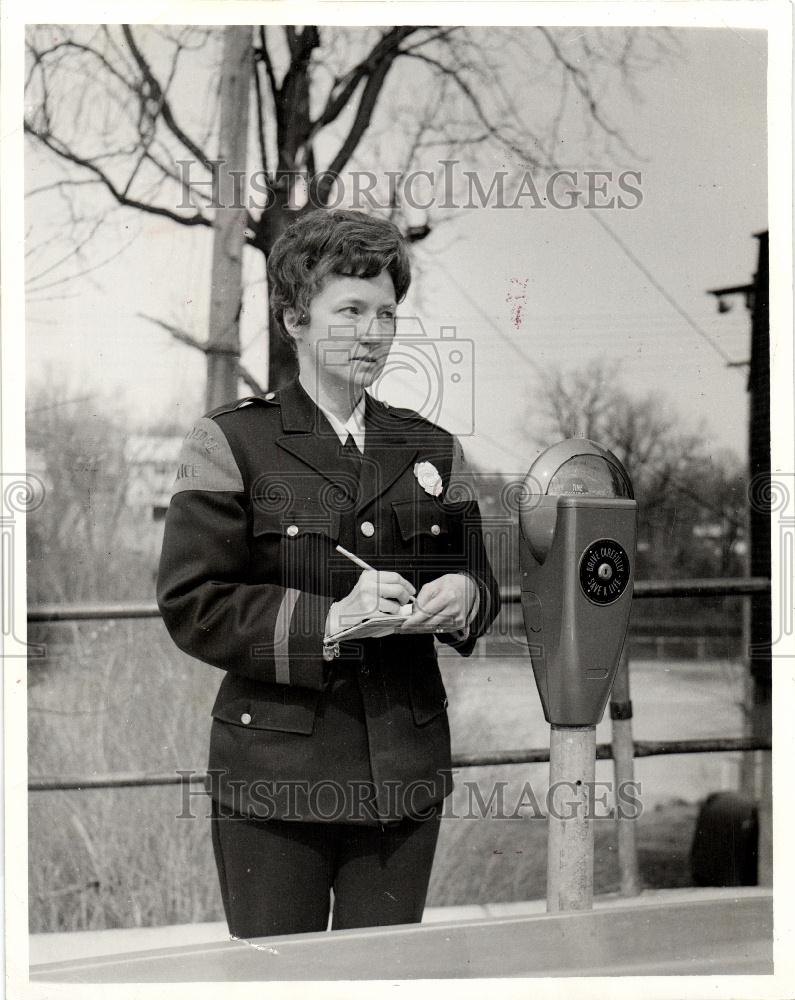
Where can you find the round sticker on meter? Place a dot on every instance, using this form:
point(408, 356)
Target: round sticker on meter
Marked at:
point(604, 571)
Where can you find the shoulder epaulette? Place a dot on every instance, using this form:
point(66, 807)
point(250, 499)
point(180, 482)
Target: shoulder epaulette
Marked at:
point(269, 399)
point(417, 419)
point(405, 412)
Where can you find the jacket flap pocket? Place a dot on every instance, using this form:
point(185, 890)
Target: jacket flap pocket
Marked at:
point(279, 707)
point(427, 693)
point(420, 517)
point(299, 517)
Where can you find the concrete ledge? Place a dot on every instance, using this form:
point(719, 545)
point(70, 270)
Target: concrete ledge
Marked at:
point(708, 932)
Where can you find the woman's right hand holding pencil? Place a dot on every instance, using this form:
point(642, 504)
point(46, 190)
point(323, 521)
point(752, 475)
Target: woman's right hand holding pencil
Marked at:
point(375, 591)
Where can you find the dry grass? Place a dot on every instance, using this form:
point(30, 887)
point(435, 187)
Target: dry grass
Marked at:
point(120, 697)
point(504, 860)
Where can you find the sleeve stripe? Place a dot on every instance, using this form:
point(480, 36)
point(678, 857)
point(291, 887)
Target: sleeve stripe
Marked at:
point(281, 635)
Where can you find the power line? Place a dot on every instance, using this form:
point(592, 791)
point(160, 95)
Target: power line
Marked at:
point(660, 288)
point(481, 434)
point(474, 303)
point(638, 263)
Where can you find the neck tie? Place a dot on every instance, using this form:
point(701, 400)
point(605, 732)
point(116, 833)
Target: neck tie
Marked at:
point(353, 460)
point(352, 453)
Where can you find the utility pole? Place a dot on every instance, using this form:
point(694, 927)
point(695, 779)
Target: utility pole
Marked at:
point(758, 619)
point(223, 343)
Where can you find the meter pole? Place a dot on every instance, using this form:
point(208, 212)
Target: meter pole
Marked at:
point(624, 776)
point(572, 766)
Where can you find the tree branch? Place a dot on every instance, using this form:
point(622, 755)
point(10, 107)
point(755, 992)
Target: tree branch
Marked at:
point(266, 61)
point(580, 81)
point(40, 55)
point(372, 89)
point(463, 86)
point(187, 338)
point(181, 335)
point(158, 96)
point(385, 46)
point(263, 150)
point(244, 374)
point(66, 154)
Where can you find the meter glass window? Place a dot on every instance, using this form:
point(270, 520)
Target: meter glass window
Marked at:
point(588, 475)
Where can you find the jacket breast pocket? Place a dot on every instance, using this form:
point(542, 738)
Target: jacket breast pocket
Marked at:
point(422, 526)
point(292, 546)
point(299, 518)
point(278, 707)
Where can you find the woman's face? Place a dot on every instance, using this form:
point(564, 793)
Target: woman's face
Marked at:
point(350, 331)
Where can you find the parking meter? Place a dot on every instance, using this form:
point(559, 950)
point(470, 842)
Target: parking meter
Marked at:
point(578, 530)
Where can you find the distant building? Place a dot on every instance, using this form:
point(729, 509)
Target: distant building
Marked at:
point(151, 462)
point(39, 482)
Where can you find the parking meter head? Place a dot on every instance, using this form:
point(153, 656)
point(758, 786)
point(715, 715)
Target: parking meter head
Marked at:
point(574, 467)
point(577, 549)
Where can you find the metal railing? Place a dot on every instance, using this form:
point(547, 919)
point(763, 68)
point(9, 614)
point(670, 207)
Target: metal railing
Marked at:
point(604, 751)
point(737, 587)
point(510, 595)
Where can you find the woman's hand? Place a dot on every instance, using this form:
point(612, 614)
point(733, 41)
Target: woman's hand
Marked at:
point(443, 604)
point(374, 592)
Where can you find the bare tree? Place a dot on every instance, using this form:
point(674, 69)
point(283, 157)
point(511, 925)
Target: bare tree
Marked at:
point(75, 536)
point(130, 113)
point(691, 503)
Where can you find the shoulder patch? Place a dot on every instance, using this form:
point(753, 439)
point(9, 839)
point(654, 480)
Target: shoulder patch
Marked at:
point(206, 461)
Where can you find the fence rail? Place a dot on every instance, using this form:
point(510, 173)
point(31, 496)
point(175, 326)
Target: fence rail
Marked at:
point(510, 595)
point(737, 587)
point(540, 755)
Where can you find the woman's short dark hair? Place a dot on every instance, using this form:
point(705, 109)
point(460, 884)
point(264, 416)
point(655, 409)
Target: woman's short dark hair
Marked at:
point(338, 241)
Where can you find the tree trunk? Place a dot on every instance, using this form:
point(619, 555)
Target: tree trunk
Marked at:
point(282, 363)
point(223, 344)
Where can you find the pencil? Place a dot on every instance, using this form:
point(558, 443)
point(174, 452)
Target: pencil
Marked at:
point(405, 609)
point(354, 559)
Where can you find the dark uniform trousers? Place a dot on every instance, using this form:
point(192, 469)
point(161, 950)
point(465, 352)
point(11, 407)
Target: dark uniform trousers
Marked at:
point(275, 875)
point(323, 775)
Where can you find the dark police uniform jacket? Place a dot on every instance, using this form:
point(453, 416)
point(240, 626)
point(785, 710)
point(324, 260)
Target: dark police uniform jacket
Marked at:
point(264, 492)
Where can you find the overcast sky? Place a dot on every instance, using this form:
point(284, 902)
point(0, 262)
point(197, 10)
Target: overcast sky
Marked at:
point(524, 288)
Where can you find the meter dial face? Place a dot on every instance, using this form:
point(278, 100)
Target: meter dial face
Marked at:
point(604, 571)
point(588, 475)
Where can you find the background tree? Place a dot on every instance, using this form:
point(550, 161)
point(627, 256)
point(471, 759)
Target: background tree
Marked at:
point(131, 114)
point(79, 539)
point(691, 504)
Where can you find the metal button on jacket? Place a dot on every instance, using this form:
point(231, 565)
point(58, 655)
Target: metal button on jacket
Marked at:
point(292, 530)
point(368, 529)
point(245, 718)
point(435, 529)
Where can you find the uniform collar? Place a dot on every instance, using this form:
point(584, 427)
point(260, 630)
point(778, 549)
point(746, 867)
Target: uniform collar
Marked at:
point(353, 426)
point(300, 413)
point(311, 438)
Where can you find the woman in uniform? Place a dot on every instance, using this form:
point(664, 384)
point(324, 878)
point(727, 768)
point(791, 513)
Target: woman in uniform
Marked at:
point(328, 762)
